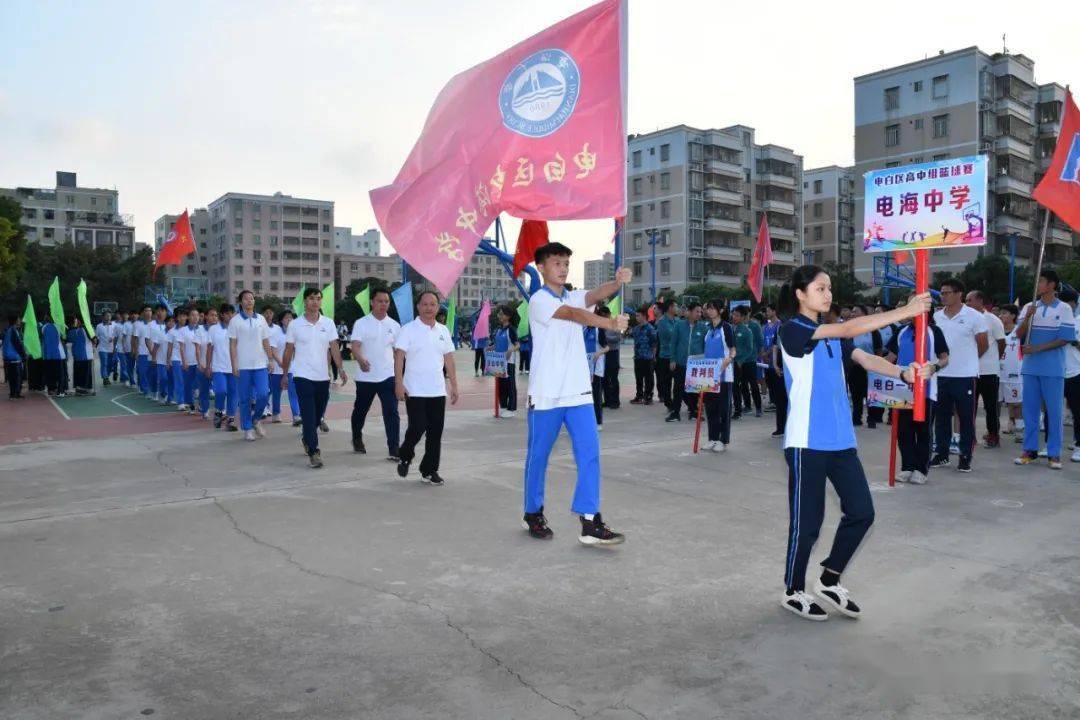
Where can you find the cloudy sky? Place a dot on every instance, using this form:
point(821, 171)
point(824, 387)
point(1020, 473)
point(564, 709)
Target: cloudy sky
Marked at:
point(174, 104)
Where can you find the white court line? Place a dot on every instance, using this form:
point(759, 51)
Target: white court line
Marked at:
point(116, 401)
point(57, 406)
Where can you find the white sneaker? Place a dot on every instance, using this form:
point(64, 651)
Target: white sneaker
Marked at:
point(182, 407)
point(1076, 455)
point(1020, 425)
point(1042, 453)
point(903, 476)
point(803, 604)
point(599, 428)
point(507, 413)
point(712, 447)
point(718, 447)
point(259, 430)
point(249, 435)
point(838, 598)
point(917, 478)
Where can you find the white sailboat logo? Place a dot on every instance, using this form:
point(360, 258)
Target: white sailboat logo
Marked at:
point(539, 92)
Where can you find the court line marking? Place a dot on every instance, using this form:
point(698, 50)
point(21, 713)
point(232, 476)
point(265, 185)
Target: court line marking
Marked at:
point(116, 401)
point(57, 406)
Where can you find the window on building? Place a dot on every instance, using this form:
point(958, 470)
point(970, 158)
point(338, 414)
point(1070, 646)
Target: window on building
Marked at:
point(70, 199)
point(256, 254)
point(637, 241)
point(637, 297)
point(940, 87)
point(637, 158)
point(817, 187)
point(637, 268)
point(273, 224)
point(274, 285)
point(918, 123)
point(49, 214)
point(665, 209)
point(818, 207)
point(238, 269)
point(636, 213)
point(665, 238)
point(817, 233)
point(274, 270)
point(665, 266)
point(93, 200)
point(665, 181)
point(665, 152)
point(917, 86)
point(238, 254)
point(892, 98)
point(892, 164)
point(636, 184)
point(256, 239)
point(941, 126)
point(942, 156)
point(256, 269)
point(892, 135)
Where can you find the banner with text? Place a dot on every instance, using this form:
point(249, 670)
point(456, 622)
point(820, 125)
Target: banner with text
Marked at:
point(703, 375)
point(887, 392)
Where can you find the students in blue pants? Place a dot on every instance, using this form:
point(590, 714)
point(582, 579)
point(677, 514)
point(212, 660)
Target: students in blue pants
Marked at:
point(819, 438)
point(249, 347)
point(160, 342)
point(1043, 369)
point(560, 392)
point(277, 347)
point(176, 360)
point(219, 360)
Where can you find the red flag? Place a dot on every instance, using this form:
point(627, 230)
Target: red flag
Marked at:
point(1060, 188)
point(537, 131)
point(533, 234)
point(899, 256)
point(179, 244)
point(761, 260)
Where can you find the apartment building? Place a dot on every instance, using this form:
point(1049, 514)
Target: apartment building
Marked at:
point(696, 198)
point(370, 243)
point(966, 102)
point(349, 267)
point(828, 216)
point(68, 213)
point(598, 272)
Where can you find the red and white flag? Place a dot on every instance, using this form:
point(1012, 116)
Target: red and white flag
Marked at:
point(179, 244)
point(761, 259)
point(537, 131)
point(1060, 187)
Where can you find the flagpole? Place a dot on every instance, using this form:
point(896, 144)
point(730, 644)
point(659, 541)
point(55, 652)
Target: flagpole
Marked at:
point(1038, 271)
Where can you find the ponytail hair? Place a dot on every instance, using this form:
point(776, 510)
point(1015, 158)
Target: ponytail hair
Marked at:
point(788, 303)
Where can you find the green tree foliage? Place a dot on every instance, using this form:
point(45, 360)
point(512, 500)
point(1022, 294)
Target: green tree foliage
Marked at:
point(12, 245)
point(990, 274)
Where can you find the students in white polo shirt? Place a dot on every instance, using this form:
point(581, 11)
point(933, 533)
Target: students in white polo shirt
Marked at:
point(176, 358)
point(159, 352)
point(307, 340)
point(372, 340)
point(988, 385)
point(249, 349)
point(965, 333)
point(202, 371)
point(277, 349)
point(422, 350)
point(106, 346)
point(560, 392)
point(219, 358)
point(190, 359)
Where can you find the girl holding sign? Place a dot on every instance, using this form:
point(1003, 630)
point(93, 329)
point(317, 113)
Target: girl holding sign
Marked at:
point(719, 344)
point(819, 439)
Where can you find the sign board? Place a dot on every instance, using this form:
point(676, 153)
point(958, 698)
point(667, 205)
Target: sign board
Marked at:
point(703, 375)
point(495, 363)
point(887, 392)
point(104, 306)
point(929, 205)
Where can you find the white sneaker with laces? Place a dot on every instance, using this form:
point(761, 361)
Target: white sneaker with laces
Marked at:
point(917, 478)
point(718, 447)
point(837, 597)
point(903, 476)
point(1076, 455)
point(802, 604)
point(507, 413)
point(712, 447)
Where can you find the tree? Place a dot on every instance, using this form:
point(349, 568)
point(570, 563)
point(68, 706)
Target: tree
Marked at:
point(12, 244)
point(846, 288)
point(990, 274)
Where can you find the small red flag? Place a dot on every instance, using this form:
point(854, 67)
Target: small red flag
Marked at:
point(762, 258)
point(179, 244)
point(533, 235)
point(899, 256)
point(1060, 188)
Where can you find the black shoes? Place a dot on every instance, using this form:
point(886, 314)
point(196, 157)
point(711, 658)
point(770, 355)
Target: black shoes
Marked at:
point(323, 427)
point(537, 526)
point(964, 465)
point(402, 468)
point(433, 478)
point(358, 446)
point(673, 417)
point(939, 461)
point(217, 419)
point(595, 532)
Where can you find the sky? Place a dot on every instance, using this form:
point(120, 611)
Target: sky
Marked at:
point(175, 104)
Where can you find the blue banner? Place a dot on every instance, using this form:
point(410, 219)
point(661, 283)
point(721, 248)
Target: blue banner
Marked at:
point(403, 301)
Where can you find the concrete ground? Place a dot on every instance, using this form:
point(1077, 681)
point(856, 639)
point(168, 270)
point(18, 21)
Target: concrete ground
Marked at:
point(187, 574)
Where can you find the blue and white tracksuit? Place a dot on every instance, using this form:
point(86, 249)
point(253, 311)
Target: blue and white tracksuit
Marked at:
point(1043, 374)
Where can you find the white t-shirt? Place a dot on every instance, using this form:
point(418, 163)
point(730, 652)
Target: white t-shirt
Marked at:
point(425, 348)
point(129, 330)
point(1072, 355)
point(105, 337)
point(218, 338)
point(277, 344)
point(160, 339)
point(376, 338)
point(311, 341)
point(960, 332)
point(201, 339)
point(175, 341)
point(559, 370)
point(990, 361)
point(1010, 363)
point(142, 331)
point(187, 337)
point(249, 332)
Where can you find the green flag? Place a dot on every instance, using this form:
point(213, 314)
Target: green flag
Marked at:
point(451, 312)
point(363, 299)
point(31, 339)
point(615, 305)
point(328, 301)
point(298, 302)
point(56, 309)
point(81, 290)
point(523, 319)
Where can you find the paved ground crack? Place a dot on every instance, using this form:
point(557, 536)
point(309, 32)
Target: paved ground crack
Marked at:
point(288, 557)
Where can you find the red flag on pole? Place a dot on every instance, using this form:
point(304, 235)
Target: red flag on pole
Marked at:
point(179, 244)
point(762, 258)
point(533, 234)
point(1060, 187)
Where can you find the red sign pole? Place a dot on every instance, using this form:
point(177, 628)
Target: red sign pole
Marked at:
point(697, 425)
point(922, 281)
point(892, 447)
point(497, 396)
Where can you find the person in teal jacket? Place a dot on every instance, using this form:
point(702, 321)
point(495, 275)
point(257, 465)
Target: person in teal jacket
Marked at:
point(749, 341)
point(665, 339)
point(689, 340)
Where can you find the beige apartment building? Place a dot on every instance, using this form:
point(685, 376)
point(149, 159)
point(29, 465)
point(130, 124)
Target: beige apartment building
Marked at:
point(829, 216)
point(966, 102)
point(598, 272)
point(701, 194)
point(349, 267)
point(68, 213)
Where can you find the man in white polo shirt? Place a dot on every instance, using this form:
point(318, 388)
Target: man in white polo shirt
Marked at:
point(965, 334)
point(219, 360)
point(249, 349)
point(373, 339)
point(988, 386)
point(307, 339)
point(560, 392)
point(422, 350)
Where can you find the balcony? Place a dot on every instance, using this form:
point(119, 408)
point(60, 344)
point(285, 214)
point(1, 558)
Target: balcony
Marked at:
point(1008, 224)
point(722, 167)
point(784, 181)
point(1059, 235)
point(1010, 144)
point(781, 233)
point(718, 223)
point(723, 196)
point(724, 279)
point(1009, 184)
point(778, 206)
point(724, 252)
point(784, 257)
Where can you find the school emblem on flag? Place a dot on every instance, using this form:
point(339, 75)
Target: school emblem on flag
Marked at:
point(540, 94)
